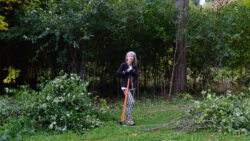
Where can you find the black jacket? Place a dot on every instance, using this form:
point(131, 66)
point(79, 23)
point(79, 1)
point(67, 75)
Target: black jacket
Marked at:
point(133, 74)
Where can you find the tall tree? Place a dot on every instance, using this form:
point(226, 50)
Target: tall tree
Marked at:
point(179, 71)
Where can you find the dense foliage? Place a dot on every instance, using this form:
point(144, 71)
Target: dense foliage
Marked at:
point(63, 104)
point(86, 36)
point(91, 37)
point(229, 113)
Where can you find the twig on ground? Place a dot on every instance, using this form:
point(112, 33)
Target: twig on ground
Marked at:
point(159, 126)
point(164, 110)
point(184, 123)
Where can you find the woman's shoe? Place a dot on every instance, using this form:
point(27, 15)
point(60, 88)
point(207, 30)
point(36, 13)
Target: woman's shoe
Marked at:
point(130, 123)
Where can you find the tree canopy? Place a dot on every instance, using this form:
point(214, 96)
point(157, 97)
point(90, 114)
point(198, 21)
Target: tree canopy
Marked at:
point(91, 37)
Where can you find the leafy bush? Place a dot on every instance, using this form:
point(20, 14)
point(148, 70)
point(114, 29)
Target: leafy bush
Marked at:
point(15, 113)
point(228, 113)
point(184, 97)
point(18, 102)
point(15, 128)
point(13, 74)
point(5, 108)
point(64, 103)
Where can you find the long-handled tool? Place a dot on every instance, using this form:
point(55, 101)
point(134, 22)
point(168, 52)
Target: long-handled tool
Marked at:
point(125, 103)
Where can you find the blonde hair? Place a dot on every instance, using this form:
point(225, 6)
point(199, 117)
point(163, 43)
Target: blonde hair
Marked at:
point(135, 58)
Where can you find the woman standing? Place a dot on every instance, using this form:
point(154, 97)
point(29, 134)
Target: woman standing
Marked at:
point(128, 69)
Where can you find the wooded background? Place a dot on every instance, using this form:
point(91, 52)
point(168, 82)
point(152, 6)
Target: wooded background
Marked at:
point(179, 44)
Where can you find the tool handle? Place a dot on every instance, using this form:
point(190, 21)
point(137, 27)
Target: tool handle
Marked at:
point(125, 101)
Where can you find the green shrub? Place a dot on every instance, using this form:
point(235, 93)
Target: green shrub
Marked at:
point(15, 128)
point(5, 109)
point(17, 102)
point(183, 97)
point(228, 113)
point(64, 103)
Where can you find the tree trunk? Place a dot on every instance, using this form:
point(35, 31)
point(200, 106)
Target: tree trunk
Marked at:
point(82, 66)
point(179, 78)
point(180, 73)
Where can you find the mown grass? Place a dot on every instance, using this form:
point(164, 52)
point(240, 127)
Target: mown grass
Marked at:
point(145, 113)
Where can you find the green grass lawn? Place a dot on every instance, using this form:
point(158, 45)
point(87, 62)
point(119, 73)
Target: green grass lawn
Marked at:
point(145, 114)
